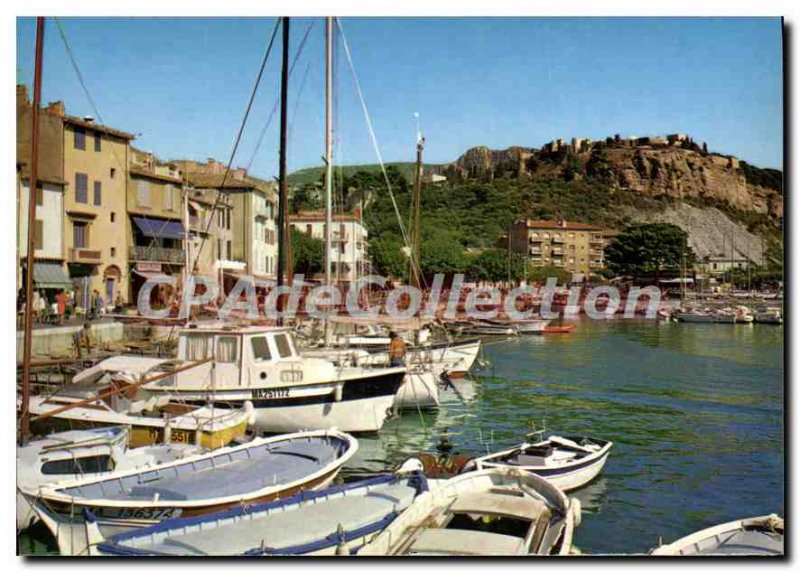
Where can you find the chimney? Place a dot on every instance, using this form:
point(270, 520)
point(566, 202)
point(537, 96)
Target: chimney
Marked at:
point(88, 118)
point(239, 174)
point(561, 223)
point(22, 94)
point(56, 108)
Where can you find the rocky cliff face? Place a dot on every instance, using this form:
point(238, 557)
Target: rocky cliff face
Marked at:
point(673, 166)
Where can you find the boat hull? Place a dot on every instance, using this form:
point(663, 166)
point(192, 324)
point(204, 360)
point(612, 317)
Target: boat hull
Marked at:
point(419, 390)
point(357, 405)
point(76, 534)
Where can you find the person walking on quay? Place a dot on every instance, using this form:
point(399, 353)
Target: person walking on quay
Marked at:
point(397, 350)
point(83, 337)
point(61, 305)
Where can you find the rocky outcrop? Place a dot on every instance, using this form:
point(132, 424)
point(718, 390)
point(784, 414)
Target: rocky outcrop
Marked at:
point(672, 166)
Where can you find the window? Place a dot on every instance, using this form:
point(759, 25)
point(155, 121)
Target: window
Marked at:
point(169, 197)
point(38, 235)
point(98, 146)
point(113, 252)
point(97, 193)
point(143, 193)
point(196, 347)
point(80, 234)
point(81, 188)
point(79, 138)
point(227, 349)
point(227, 220)
point(113, 172)
point(95, 464)
point(220, 214)
point(39, 195)
point(228, 250)
point(219, 249)
point(113, 216)
point(308, 229)
point(284, 347)
point(260, 349)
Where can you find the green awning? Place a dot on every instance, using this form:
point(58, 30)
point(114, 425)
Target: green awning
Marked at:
point(50, 275)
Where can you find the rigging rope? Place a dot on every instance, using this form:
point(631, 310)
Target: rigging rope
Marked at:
point(375, 145)
point(277, 99)
point(236, 143)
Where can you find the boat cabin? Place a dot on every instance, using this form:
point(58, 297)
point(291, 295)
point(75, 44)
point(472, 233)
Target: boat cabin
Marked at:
point(243, 357)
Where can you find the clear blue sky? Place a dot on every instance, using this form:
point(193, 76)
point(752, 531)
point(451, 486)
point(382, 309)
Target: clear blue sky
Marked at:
point(183, 83)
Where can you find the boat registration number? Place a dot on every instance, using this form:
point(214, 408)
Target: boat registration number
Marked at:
point(276, 393)
point(145, 513)
point(179, 436)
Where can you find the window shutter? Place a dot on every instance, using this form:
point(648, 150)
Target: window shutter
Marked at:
point(97, 193)
point(81, 188)
point(38, 235)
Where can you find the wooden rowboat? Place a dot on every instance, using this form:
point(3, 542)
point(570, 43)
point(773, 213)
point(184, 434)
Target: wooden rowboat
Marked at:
point(260, 471)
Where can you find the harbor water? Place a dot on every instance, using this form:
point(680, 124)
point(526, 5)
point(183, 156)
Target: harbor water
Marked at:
point(695, 412)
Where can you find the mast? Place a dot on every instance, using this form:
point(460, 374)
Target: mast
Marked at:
point(24, 429)
point(328, 146)
point(283, 235)
point(415, 238)
point(186, 247)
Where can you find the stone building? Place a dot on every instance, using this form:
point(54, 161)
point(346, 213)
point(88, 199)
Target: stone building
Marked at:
point(155, 220)
point(96, 170)
point(49, 270)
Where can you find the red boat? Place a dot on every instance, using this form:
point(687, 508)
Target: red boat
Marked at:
point(558, 329)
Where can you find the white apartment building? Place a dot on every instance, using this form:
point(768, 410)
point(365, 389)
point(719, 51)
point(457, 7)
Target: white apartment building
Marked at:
point(348, 253)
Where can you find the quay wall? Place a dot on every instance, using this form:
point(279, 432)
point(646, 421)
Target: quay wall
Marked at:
point(59, 339)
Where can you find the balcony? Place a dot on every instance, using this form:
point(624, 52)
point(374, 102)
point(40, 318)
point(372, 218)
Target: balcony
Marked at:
point(156, 254)
point(557, 251)
point(595, 252)
point(598, 240)
point(558, 240)
point(535, 239)
point(535, 251)
point(84, 255)
point(198, 224)
point(558, 263)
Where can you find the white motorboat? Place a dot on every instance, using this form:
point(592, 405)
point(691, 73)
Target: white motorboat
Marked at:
point(757, 536)
point(289, 392)
point(531, 326)
point(83, 513)
point(495, 512)
point(490, 329)
point(332, 521)
point(83, 454)
point(567, 463)
point(769, 316)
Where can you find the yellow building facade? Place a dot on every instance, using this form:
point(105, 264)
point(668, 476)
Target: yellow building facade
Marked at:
point(574, 246)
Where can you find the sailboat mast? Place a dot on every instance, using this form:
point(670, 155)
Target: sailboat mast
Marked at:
point(415, 243)
point(328, 146)
point(24, 429)
point(283, 235)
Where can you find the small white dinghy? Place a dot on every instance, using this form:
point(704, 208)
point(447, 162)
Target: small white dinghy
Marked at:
point(567, 463)
point(316, 523)
point(83, 454)
point(757, 536)
point(496, 512)
point(260, 471)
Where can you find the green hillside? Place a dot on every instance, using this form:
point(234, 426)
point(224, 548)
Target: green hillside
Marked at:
point(314, 174)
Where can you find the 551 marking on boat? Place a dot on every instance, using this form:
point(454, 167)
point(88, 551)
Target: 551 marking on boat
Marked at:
point(277, 393)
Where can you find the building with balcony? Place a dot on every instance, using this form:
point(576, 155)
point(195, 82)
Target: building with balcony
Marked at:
point(155, 219)
point(247, 237)
point(96, 170)
point(574, 246)
point(210, 236)
point(348, 254)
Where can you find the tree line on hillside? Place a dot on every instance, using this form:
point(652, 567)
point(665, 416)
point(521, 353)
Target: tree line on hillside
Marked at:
point(461, 223)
